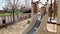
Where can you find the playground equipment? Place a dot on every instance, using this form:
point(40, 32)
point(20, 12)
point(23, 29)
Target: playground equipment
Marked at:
point(42, 29)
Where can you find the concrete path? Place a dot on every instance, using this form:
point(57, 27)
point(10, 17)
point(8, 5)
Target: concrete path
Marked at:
point(16, 28)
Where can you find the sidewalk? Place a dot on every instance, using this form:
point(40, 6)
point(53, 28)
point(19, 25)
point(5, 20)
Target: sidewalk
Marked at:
point(15, 28)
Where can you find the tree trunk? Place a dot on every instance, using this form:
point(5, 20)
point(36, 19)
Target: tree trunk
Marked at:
point(13, 16)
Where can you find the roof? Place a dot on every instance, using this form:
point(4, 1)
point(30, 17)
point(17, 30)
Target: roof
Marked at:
point(2, 11)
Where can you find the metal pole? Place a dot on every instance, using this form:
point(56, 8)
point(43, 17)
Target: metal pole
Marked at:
point(58, 18)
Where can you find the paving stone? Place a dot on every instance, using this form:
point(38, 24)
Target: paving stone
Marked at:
point(16, 28)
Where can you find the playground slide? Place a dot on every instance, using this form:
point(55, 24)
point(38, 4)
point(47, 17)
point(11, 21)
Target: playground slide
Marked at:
point(43, 28)
point(35, 27)
point(39, 26)
point(32, 24)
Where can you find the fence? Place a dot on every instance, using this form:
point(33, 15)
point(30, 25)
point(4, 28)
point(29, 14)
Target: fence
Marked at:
point(9, 19)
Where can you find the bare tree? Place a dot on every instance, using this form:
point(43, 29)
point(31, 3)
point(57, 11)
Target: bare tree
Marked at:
point(13, 5)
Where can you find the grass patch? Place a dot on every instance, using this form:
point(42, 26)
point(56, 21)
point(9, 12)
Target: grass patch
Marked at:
point(5, 14)
point(8, 14)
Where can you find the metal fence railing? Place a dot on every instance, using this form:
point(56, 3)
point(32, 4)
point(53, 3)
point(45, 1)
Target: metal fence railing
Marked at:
point(9, 19)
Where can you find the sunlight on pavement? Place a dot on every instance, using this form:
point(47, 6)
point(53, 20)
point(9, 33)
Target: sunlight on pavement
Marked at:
point(51, 27)
point(16, 28)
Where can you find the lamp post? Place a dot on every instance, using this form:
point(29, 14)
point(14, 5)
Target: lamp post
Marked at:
point(58, 18)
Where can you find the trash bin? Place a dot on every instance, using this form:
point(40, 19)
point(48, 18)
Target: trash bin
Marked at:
point(4, 21)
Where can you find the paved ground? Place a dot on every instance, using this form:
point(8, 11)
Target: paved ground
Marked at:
point(19, 27)
point(15, 28)
point(51, 28)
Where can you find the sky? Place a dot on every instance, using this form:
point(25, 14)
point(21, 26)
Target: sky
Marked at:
point(2, 2)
